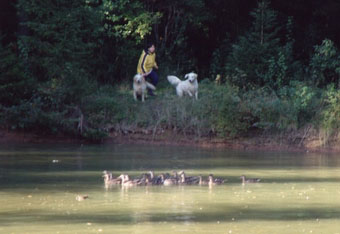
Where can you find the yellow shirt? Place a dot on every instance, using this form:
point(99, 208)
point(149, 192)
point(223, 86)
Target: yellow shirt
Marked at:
point(146, 62)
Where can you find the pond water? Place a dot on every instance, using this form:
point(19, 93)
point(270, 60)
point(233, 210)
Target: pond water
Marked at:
point(298, 193)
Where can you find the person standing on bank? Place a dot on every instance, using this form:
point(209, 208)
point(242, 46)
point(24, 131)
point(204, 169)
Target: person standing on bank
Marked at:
point(147, 65)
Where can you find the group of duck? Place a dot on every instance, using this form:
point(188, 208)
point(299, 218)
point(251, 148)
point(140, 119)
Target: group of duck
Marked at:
point(177, 178)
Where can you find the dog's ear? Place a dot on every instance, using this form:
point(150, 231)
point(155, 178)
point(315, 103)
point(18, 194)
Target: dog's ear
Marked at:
point(186, 76)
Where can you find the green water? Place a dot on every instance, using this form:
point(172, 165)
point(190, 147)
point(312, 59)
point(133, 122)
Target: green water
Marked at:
point(299, 193)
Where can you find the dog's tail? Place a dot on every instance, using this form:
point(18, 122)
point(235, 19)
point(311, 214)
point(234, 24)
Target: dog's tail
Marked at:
point(173, 80)
point(150, 86)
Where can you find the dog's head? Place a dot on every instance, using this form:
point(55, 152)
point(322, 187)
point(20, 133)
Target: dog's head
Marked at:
point(138, 78)
point(192, 77)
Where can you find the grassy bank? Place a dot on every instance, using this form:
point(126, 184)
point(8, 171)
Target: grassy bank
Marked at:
point(296, 114)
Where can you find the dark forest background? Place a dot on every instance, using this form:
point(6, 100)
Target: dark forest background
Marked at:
point(67, 66)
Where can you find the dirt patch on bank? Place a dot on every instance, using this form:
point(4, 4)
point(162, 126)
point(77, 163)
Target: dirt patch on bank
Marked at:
point(254, 142)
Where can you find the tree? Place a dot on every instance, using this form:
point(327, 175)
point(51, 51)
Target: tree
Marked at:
point(15, 85)
point(257, 58)
point(126, 25)
point(181, 22)
point(59, 48)
point(325, 64)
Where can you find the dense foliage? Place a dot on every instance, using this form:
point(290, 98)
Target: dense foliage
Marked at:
point(66, 66)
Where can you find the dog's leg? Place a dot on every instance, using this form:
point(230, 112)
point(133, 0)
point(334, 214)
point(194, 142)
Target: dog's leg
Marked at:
point(196, 95)
point(143, 98)
point(179, 92)
point(135, 96)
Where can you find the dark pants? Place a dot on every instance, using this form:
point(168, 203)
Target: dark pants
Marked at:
point(153, 79)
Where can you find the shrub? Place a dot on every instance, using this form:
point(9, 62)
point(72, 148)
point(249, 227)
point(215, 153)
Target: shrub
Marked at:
point(330, 114)
point(325, 64)
point(15, 84)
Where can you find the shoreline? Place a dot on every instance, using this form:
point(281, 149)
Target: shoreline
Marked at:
point(268, 144)
point(253, 143)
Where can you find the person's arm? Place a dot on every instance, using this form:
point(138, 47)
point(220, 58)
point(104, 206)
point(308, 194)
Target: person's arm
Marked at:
point(155, 65)
point(144, 63)
point(147, 73)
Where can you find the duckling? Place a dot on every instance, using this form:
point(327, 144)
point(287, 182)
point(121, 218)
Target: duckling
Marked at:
point(81, 197)
point(249, 180)
point(215, 181)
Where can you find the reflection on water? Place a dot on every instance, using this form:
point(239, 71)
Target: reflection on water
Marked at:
point(298, 193)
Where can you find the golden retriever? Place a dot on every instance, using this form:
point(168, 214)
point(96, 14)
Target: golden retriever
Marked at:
point(140, 86)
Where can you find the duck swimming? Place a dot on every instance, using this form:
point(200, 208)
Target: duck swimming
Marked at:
point(81, 197)
point(167, 180)
point(188, 179)
point(126, 180)
point(249, 180)
point(108, 180)
point(215, 181)
point(152, 179)
point(201, 181)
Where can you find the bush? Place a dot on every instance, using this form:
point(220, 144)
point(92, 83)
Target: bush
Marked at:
point(325, 64)
point(222, 110)
point(304, 99)
point(15, 84)
point(330, 114)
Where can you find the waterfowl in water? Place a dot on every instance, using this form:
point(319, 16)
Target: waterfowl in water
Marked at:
point(126, 181)
point(108, 180)
point(81, 197)
point(201, 181)
point(107, 174)
point(143, 180)
point(188, 179)
point(167, 180)
point(155, 180)
point(175, 177)
point(152, 179)
point(249, 180)
point(213, 181)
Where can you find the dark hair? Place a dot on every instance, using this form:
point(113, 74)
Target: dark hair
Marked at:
point(148, 45)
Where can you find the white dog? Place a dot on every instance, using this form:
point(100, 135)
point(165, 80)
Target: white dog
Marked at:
point(185, 87)
point(140, 85)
